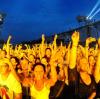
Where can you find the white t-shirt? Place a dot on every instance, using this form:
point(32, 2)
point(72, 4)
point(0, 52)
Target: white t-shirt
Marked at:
point(11, 85)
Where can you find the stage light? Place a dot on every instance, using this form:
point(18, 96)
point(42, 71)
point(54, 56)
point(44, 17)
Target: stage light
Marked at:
point(95, 13)
point(1, 19)
point(94, 8)
point(81, 18)
point(2, 16)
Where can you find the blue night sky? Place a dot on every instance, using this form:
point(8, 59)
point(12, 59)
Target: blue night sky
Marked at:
point(29, 19)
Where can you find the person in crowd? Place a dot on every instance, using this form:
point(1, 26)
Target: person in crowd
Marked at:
point(97, 74)
point(24, 77)
point(40, 86)
point(86, 83)
point(72, 70)
point(10, 87)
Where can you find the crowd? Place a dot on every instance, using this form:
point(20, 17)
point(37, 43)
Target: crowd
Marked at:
point(48, 71)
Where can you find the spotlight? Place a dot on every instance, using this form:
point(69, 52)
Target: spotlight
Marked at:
point(94, 8)
point(95, 13)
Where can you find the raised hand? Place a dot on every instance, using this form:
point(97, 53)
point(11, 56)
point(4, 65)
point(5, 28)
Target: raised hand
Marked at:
point(89, 40)
point(43, 38)
point(75, 38)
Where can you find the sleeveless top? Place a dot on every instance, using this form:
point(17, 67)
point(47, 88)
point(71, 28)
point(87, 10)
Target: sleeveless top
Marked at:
point(86, 90)
point(42, 94)
point(98, 90)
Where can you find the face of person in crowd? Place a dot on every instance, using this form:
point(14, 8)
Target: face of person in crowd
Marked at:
point(91, 61)
point(92, 64)
point(60, 60)
point(31, 58)
point(91, 51)
point(3, 54)
point(4, 68)
point(39, 72)
point(48, 53)
point(84, 65)
point(24, 64)
point(13, 61)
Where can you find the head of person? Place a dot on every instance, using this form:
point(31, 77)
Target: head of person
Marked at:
point(3, 53)
point(60, 60)
point(4, 68)
point(91, 60)
point(92, 63)
point(83, 64)
point(24, 63)
point(48, 52)
point(91, 51)
point(39, 71)
point(14, 61)
point(31, 58)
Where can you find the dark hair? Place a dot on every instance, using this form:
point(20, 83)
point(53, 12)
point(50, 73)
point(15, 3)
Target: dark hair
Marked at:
point(40, 65)
point(48, 49)
point(92, 44)
point(24, 58)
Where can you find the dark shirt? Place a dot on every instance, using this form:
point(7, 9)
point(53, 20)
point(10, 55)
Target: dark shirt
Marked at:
point(86, 90)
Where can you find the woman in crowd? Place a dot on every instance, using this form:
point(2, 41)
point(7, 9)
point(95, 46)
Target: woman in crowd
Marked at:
point(40, 86)
point(72, 71)
point(24, 77)
point(10, 87)
point(86, 82)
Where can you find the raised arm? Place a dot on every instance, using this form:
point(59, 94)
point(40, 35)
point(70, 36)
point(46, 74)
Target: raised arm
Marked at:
point(12, 68)
point(53, 73)
point(8, 47)
point(97, 68)
point(73, 53)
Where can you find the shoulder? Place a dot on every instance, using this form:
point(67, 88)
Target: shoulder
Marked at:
point(49, 83)
point(11, 78)
point(13, 81)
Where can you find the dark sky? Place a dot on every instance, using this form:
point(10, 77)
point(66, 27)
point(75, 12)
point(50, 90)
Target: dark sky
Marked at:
point(29, 19)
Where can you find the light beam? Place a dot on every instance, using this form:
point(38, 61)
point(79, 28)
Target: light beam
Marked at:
point(94, 8)
point(95, 13)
